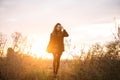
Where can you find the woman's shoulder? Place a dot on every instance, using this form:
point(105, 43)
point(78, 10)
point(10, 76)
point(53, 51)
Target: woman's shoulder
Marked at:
point(52, 34)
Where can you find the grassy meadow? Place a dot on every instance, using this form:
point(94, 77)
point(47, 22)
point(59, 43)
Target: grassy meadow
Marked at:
point(99, 63)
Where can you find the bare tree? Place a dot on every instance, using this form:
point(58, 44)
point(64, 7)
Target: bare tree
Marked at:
point(3, 40)
point(16, 39)
point(21, 43)
point(119, 32)
point(117, 28)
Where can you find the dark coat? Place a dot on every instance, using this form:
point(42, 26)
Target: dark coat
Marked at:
point(56, 42)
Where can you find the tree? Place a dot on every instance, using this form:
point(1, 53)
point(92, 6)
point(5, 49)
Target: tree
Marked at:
point(21, 43)
point(16, 39)
point(3, 40)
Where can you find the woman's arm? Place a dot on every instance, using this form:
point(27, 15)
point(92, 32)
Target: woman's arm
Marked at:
point(65, 34)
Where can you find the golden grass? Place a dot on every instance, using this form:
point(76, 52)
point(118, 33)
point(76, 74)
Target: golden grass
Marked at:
point(102, 66)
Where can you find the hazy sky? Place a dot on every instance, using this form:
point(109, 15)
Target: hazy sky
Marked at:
point(77, 16)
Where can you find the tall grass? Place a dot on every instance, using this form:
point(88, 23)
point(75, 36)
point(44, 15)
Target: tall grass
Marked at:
point(99, 63)
point(18, 66)
point(105, 65)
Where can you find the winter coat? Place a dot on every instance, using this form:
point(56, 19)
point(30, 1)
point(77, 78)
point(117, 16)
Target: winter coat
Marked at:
point(56, 43)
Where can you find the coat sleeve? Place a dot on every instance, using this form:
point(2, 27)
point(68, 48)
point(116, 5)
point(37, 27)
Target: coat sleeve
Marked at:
point(65, 34)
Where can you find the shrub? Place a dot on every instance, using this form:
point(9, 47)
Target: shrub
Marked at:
point(96, 67)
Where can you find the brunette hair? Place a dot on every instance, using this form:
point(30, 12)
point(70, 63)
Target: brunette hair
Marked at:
point(54, 30)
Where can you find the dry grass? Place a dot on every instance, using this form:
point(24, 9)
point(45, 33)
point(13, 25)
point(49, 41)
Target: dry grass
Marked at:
point(105, 65)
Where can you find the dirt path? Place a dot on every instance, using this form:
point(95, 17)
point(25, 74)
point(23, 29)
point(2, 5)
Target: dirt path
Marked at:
point(65, 72)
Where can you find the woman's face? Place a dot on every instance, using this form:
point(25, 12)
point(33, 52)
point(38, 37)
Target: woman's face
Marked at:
point(58, 28)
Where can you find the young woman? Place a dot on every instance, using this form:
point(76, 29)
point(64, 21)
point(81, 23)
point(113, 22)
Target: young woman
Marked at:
point(56, 45)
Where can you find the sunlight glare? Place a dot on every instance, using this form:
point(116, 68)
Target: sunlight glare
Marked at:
point(37, 46)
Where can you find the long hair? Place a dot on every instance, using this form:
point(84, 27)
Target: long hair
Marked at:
point(55, 30)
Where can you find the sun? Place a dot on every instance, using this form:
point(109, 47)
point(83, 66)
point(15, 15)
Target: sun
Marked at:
point(38, 49)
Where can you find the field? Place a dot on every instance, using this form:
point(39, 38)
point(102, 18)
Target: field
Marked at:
point(96, 64)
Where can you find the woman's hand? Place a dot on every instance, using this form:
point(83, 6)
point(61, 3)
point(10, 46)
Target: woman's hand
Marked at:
point(62, 28)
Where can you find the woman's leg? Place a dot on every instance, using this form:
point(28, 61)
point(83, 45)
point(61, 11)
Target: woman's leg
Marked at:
point(58, 61)
point(54, 63)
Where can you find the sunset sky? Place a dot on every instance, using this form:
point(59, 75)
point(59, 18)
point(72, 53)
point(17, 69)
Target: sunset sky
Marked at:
point(87, 21)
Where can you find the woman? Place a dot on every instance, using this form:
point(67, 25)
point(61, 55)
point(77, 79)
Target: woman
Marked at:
point(56, 45)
